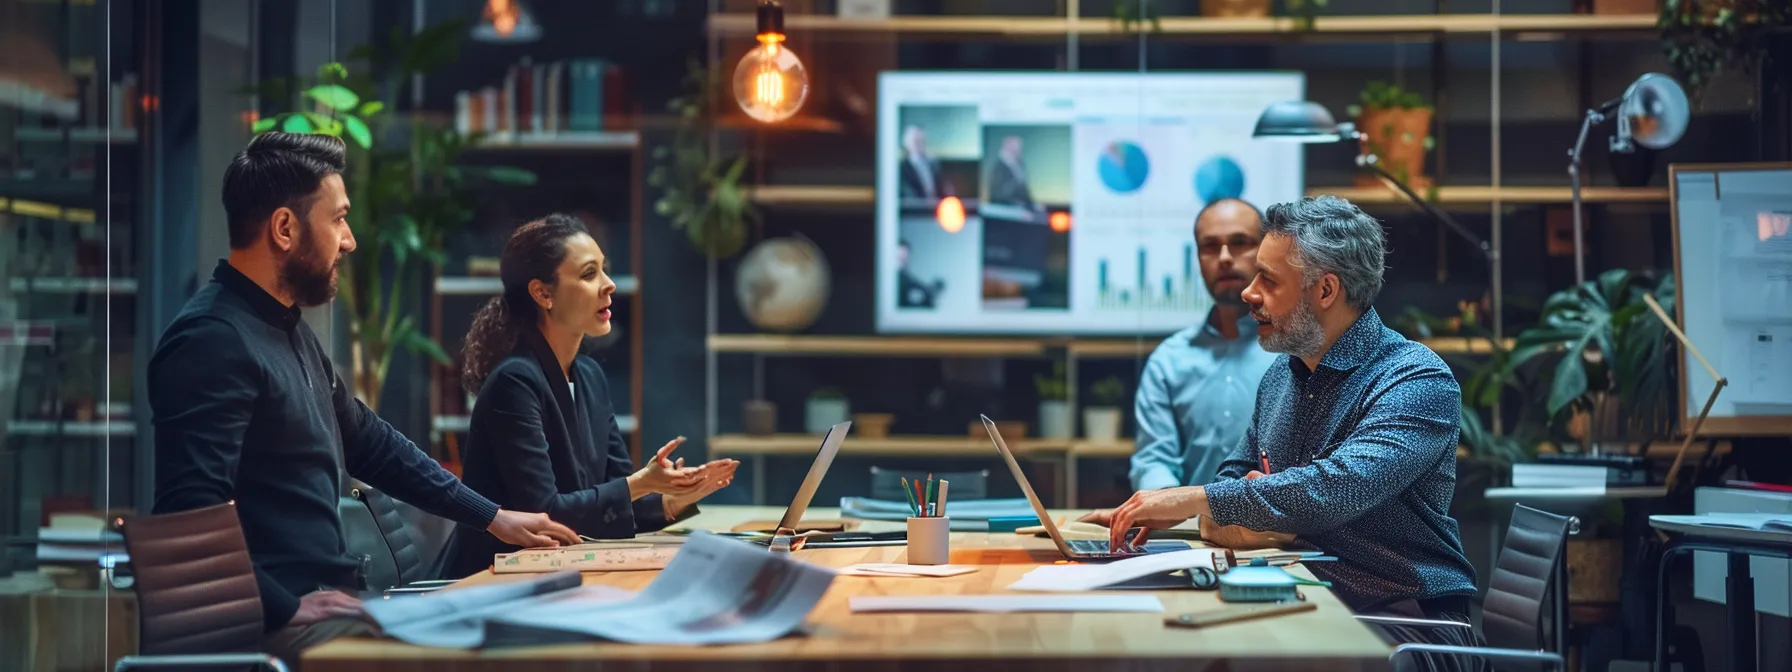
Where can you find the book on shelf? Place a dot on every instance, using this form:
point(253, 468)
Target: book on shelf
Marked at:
point(581, 94)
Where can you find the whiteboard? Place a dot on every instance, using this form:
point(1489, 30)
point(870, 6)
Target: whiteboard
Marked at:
point(1733, 263)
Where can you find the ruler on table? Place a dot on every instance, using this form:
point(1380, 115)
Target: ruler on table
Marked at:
point(585, 558)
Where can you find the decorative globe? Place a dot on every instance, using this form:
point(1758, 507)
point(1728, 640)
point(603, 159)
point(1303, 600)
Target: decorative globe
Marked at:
point(782, 284)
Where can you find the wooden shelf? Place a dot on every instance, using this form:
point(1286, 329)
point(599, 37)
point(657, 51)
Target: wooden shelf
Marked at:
point(876, 346)
point(563, 141)
point(816, 195)
point(21, 206)
point(904, 446)
point(70, 428)
point(460, 423)
point(116, 136)
point(1506, 195)
point(914, 346)
point(75, 285)
point(813, 195)
point(1117, 448)
point(1524, 26)
point(461, 285)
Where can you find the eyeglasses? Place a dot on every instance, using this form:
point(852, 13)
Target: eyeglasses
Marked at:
point(1239, 244)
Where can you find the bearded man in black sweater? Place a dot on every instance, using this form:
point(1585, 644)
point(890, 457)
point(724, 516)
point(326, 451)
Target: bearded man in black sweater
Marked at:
point(249, 409)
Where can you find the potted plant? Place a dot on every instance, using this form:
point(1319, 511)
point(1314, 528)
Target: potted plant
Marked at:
point(1054, 403)
point(1702, 38)
point(826, 407)
point(1615, 357)
point(1101, 419)
point(1305, 12)
point(408, 194)
point(701, 192)
point(1398, 125)
point(1132, 15)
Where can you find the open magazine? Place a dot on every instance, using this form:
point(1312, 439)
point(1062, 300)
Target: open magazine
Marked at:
point(716, 590)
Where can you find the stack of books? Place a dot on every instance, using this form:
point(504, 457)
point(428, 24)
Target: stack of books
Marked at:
point(586, 94)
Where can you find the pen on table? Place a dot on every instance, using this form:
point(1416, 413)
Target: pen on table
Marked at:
point(942, 506)
point(929, 498)
point(1263, 456)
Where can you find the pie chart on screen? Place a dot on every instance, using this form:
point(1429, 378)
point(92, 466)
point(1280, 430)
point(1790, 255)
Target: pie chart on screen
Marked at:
point(1123, 166)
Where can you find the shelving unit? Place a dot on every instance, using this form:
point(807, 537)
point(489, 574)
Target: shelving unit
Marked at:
point(1520, 26)
point(460, 423)
point(485, 285)
point(837, 196)
point(579, 141)
point(729, 30)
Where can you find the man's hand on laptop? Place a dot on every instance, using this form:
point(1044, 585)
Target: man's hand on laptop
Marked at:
point(324, 605)
point(1153, 509)
point(530, 530)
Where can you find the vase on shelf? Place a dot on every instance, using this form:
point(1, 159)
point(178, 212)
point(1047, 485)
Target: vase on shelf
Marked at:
point(1055, 419)
point(823, 410)
point(759, 417)
point(1101, 424)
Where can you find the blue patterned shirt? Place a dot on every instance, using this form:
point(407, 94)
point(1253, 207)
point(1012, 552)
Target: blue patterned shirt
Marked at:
point(1194, 398)
point(1362, 454)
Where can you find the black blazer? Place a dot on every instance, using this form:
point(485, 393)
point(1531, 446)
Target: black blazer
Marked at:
point(536, 446)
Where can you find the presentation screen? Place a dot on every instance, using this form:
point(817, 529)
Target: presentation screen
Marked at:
point(1733, 251)
point(1063, 203)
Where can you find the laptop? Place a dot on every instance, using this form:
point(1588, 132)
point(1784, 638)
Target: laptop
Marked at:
point(1073, 549)
point(793, 515)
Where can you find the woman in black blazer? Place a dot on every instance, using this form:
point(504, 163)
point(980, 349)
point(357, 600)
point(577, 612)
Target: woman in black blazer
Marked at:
point(544, 436)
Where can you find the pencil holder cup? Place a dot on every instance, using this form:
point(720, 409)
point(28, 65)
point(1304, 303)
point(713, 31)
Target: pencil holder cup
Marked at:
point(929, 541)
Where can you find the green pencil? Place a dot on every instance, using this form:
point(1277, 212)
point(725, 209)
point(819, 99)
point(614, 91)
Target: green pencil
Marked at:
point(910, 493)
point(929, 497)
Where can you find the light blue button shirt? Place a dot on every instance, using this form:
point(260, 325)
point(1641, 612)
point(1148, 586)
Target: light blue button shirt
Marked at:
point(1194, 404)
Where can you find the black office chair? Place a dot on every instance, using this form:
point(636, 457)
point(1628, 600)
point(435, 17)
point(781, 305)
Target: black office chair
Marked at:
point(394, 555)
point(1528, 589)
point(886, 484)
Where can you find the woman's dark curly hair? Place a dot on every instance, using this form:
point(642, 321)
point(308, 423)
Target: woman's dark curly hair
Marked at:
point(534, 252)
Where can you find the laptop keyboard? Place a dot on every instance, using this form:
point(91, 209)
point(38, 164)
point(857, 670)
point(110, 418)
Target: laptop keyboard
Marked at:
point(1091, 547)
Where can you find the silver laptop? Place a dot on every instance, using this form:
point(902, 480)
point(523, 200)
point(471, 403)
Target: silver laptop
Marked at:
point(830, 446)
point(1073, 549)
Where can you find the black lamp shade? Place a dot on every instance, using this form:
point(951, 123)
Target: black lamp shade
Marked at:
point(1297, 121)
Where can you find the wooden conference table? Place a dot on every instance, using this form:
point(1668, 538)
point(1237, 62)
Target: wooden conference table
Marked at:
point(1328, 638)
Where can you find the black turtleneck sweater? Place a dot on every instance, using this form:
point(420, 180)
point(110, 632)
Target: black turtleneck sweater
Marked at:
point(248, 408)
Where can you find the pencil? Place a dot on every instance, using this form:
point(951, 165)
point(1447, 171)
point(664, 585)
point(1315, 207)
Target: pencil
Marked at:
point(929, 498)
point(944, 485)
point(910, 493)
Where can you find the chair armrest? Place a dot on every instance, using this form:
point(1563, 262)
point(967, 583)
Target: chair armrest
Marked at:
point(1481, 651)
point(1416, 622)
point(200, 660)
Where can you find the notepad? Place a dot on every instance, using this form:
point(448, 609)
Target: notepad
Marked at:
point(1764, 522)
point(1006, 603)
point(601, 557)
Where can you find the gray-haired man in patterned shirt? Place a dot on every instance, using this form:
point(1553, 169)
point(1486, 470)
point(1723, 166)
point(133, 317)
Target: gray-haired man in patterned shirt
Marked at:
point(1352, 446)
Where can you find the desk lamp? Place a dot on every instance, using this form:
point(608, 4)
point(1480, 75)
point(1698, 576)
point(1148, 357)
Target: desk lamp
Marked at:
point(1692, 432)
point(1652, 112)
point(1309, 122)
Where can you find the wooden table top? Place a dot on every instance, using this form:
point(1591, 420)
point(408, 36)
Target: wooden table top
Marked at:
point(1327, 638)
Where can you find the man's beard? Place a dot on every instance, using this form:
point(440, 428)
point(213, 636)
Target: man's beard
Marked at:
point(310, 280)
point(1298, 334)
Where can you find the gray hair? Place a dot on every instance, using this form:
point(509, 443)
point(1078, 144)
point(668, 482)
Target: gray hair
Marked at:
point(1332, 236)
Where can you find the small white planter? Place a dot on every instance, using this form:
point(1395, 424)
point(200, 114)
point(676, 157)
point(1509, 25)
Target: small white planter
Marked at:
point(1055, 419)
point(822, 414)
point(1101, 424)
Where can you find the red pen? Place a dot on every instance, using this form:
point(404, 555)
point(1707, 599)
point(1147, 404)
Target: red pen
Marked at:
point(1263, 455)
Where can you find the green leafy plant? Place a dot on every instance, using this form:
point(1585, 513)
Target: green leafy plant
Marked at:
point(1612, 350)
point(1108, 392)
point(1135, 14)
point(1306, 12)
point(1702, 38)
point(1053, 387)
point(1379, 95)
point(407, 186)
point(701, 192)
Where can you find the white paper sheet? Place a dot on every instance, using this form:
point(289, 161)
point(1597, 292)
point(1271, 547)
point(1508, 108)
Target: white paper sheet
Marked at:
point(899, 570)
point(715, 591)
point(1081, 577)
point(1006, 603)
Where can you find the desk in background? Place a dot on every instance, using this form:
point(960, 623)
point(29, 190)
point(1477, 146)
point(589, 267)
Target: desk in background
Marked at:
point(1328, 638)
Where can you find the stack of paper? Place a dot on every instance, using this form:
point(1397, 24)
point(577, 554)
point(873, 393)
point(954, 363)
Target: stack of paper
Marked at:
point(589, 557)
point(1076, 578)
point(894, 569)
point(715, 591)
point(1006, 603)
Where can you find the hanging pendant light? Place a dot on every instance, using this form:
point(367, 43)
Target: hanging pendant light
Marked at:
point(770, 84)
point(507, 21)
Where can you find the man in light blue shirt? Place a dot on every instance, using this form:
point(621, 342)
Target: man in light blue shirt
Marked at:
point(1199, 387)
